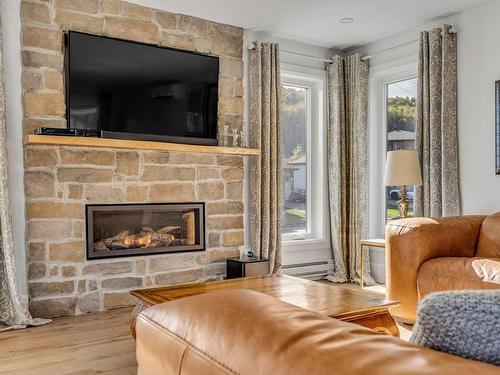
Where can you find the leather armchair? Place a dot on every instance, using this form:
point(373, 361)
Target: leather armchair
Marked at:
point(426, 255)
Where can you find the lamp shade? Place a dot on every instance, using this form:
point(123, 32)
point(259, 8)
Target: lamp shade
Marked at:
point(402, 168)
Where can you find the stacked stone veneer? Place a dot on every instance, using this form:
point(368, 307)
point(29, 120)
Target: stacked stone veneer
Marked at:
point(59, 181)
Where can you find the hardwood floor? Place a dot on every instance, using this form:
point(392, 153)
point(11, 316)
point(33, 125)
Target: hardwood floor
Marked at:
point(89, 344)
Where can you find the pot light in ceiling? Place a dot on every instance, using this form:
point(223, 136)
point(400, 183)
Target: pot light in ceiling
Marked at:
point(346, 20)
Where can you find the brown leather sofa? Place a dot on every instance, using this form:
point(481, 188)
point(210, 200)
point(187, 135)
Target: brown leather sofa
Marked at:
point(246, 332)
point(426, 255)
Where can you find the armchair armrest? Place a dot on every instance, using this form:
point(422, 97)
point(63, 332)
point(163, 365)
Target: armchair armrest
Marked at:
point(411, 242)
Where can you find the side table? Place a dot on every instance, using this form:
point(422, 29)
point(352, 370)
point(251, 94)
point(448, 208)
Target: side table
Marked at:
point(366, 244)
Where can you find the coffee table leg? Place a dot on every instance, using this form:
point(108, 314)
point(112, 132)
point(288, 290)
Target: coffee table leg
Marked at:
point(382, 322)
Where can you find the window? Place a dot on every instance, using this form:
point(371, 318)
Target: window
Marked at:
point(295, 103)
point(304, 184)
point(400, 105)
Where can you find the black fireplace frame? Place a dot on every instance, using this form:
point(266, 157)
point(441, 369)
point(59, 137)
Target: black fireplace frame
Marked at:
point(89, 208)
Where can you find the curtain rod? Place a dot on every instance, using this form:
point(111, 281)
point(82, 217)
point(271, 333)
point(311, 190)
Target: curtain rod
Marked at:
point(252, 46)
point(322, 59)
point(306, 56)
point(367, 57)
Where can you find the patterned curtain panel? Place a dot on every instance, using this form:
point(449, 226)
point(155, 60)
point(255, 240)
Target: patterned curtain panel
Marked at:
point(436, 131)
point(265, 134)
point(13, 314)
point(347, 91)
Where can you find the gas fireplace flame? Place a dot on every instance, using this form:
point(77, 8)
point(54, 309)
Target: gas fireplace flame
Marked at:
point(143, 240)
point(129, 240)
point(137, 240)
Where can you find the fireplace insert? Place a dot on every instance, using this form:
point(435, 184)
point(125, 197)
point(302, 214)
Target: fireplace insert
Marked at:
point(118, 230)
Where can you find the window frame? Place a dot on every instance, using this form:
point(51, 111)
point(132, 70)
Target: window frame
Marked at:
point(378, 140)
point(317, 236)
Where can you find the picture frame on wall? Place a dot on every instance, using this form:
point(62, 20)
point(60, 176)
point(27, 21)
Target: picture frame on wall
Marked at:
point(497, 127)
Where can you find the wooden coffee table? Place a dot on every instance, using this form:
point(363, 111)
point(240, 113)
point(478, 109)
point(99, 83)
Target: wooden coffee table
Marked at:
point(357, 306)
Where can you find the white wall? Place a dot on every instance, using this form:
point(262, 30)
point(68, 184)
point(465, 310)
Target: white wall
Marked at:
point(11, 26)
point(478, 69)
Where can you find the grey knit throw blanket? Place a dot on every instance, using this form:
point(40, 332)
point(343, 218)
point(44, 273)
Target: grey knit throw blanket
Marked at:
point(464, 323)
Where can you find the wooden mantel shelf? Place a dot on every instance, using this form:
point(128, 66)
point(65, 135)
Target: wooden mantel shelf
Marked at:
point(51, 140)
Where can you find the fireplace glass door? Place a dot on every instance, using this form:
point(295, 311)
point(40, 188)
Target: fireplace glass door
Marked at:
point(138, 229)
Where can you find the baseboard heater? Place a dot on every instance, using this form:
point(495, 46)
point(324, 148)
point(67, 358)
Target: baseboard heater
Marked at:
point(313, 270)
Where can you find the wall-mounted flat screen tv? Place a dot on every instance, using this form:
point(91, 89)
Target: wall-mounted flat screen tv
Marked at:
point(123, 89)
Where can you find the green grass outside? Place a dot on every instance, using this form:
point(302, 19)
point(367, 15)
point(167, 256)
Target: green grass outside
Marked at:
point(394, 212)
point(296, 212)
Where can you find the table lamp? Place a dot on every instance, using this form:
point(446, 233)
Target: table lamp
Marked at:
point(402, 168)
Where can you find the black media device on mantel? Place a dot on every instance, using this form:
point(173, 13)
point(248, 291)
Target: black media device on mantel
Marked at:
point(57, 131)
point(66, 132)
point(130, 90)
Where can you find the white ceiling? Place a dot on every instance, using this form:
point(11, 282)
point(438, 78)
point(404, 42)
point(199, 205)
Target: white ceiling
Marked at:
point(317, 21)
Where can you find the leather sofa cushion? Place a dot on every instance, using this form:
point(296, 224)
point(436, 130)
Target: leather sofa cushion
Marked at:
point(489, 237)
point(246, 332)
point(458, 273)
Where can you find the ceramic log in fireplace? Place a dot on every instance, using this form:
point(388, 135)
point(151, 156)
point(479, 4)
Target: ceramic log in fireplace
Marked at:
point(117, 230)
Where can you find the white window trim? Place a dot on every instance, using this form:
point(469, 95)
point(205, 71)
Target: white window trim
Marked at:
point(316, 248)
point(378, 146)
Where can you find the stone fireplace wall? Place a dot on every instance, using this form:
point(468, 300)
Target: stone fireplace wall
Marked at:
point(59, 181)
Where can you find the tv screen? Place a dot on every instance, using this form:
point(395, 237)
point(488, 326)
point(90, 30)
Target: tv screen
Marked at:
point(131, 90)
